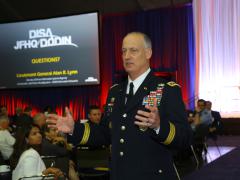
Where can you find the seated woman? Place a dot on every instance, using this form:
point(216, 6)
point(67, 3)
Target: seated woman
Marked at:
point(25, 160)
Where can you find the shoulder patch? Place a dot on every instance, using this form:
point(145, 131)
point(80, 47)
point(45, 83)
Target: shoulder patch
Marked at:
point(113, 86)
point(172, 84)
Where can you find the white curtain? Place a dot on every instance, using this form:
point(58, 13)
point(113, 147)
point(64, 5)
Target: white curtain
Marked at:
point(217, 31)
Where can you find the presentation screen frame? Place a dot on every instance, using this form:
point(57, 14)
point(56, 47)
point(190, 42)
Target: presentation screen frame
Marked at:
point(50, 52)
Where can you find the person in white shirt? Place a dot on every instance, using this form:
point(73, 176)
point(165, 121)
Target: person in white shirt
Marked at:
point(26, 160)
point(6, 139)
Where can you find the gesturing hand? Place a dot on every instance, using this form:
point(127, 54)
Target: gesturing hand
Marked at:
point(63, 124)
point(149, 119)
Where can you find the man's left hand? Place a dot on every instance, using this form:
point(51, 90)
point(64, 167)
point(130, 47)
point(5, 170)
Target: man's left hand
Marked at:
point(149, 119)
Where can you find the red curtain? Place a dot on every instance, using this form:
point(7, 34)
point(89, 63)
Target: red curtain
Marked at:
point(171, 31)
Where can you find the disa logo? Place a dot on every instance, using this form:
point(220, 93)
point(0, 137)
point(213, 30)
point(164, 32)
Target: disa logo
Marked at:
point(42, 38)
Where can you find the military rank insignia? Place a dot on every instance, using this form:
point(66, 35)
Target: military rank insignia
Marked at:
point(112, 99)
point(149, 99)
point(172, 84)
point(110, 105)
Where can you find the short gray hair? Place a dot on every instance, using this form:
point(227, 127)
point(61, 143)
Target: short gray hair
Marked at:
point(3, 118)
point(147, 40)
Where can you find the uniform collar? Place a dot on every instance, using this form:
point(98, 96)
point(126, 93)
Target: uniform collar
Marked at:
point(138, 81)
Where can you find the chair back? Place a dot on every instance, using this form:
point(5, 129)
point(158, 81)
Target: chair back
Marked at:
point(49, 177)
point(61, 162)
point(93, 162)
point(201, 132)
point(93, 157)
point(5, 172)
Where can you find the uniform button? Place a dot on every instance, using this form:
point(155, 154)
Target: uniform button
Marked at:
point(124, 115)
point(123, 128)
point(160, 171)
point(122, 141)
point(121, 153)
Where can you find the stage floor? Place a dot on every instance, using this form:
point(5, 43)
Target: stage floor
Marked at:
point(216, 152)
point(221, 146)
point(222, 160)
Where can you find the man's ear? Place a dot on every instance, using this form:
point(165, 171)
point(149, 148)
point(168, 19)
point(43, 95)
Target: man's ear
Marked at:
point(148, 53)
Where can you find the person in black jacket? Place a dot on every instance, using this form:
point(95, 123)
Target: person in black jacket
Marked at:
point(144, 118)
point(216, 126)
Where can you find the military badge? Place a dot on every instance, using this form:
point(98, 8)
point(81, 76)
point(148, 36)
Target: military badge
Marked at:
point(110, 105)
point(149, 99)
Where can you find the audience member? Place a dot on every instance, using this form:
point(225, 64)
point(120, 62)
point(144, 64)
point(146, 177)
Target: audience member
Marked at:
point(28, 111)
point(48, 110)
point(192, 119)
point(216, 125)
point(202, 113)
point(18, 113)
point(94, 114)
point(40, 120)
point(25, 119)
point(54, 137)
point(26, 160)
point(203, 119)
point(4, 111)
point(6, 139)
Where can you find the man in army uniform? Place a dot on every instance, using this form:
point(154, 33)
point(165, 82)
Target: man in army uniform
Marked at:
point(94, 114)
point(144, 118)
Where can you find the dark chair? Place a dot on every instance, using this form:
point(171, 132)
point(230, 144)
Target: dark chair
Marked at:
point(185, 161)
point(176, 171)
point(93, 163)
point(61, 162)
point(200, 140)
point(214, 135)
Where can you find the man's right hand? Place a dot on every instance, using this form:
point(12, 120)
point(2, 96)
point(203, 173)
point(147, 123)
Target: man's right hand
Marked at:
point(63, 124)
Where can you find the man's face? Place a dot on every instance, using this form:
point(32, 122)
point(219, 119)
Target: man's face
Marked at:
point(208, 106)
point(135, 55)
point(201, 105)
point(95, 115)
point(41, 120)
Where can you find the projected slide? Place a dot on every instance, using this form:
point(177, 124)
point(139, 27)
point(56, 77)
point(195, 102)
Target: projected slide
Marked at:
point(51, 52)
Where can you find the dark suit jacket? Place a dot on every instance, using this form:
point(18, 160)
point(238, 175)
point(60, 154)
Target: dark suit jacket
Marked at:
point(136, 154)
point(24, 120)
point(217, 122)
